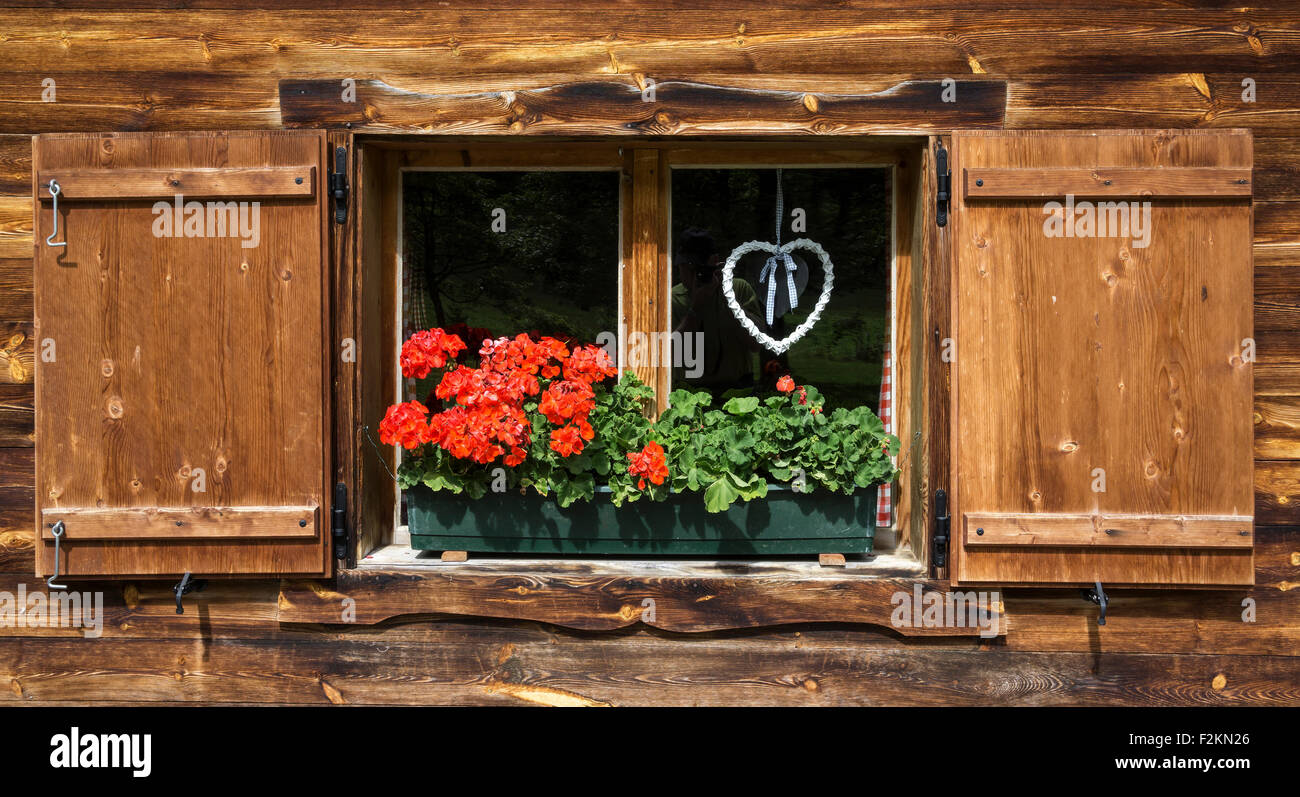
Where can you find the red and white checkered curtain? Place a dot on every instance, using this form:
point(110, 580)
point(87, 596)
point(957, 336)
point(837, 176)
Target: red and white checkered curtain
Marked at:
point(414, 315)
point(884, 500)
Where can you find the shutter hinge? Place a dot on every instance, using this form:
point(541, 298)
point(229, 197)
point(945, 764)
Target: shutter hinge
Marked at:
point(339, 185)
point(941, 524)
point(338, 521)
point(943, 186)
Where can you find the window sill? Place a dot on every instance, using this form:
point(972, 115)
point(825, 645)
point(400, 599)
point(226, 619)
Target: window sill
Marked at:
point(601, 594)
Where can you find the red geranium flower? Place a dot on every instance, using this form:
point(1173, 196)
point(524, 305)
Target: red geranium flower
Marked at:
point(649, 463)
point(405, 425)
point(426, 350)
point(785, 384)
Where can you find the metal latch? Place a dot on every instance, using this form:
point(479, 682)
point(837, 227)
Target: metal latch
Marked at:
point(339, 185)
point(185, 586)
point(1097, 595)
point(57, 531)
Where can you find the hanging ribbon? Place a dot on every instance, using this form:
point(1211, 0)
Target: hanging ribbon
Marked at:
point(779, 260)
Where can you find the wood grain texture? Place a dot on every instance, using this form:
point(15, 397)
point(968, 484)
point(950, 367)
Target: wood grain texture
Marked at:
point(16, 289)
point(15, 164)
point(1155, 98)
point(838, 41)
point(16, 227)
point(1134, 368)
point(188, 523)
point(646, 306)
point(17, 354)
point(1277, 492)
point(17, 415)
point(342, 343)
point(378, 298)
point(608, 595)
point(269, 182)
point(1023, 183)
point(813, 667)
point(182, 353)
point(1107, 531)
point(626, 108)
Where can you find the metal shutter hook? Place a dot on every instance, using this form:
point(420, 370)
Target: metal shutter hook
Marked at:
point(54, 194)
point(57, 531)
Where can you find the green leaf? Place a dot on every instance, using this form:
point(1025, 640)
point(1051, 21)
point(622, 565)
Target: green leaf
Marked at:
point(741, 405)
point(720, 495)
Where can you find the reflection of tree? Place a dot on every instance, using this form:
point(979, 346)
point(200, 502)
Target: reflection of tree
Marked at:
point(559, 248)
point(847, 212)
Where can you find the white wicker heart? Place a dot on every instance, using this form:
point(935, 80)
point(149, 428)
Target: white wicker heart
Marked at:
point(783, 345)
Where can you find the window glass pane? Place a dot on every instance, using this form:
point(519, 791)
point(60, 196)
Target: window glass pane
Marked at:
point(847, 212)
point(487, 254)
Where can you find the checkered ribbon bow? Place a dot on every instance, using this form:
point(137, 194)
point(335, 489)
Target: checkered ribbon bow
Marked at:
point(768, 275)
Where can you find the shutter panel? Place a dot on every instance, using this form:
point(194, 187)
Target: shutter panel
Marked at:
point(181, 390)
point(1085, 358)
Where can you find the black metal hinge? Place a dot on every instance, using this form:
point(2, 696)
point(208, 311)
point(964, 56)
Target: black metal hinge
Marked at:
point(943, 186)
point(338, 521)
point(339, 185)
point(941, 524)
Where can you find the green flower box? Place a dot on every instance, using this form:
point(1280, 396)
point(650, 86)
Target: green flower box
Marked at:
point(785, 522)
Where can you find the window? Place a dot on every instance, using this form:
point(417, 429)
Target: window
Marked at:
point(583, 242)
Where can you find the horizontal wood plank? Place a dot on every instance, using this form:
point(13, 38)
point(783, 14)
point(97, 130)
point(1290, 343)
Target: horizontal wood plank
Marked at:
point(188, 523)
point(269, 182)
point(16, 288)
point(17, 415)
point(16, 164)
point(1016, 183)
point(463, 666)
point(1107, 530)
point(604, 595)
point(16, 227)
point(628, 108)
point(843, 41)
point(17, 353)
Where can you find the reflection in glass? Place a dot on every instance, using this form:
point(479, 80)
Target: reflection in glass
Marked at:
point(487, 254)
point(847, 211)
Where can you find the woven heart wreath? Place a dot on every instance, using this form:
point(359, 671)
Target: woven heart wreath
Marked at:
point(780, 253)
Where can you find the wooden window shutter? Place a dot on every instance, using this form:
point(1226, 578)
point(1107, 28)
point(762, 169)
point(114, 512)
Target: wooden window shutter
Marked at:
point(181, 382)
point(1102, 387)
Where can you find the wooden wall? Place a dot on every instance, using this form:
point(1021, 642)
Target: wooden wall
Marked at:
point(220, 64)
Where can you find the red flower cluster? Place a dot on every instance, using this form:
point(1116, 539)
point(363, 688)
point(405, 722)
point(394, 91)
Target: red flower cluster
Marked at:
point(427, 350)
point(566, 404)
point(649, 464)
point(487, 419)
point(405, 425)
point(785, 384)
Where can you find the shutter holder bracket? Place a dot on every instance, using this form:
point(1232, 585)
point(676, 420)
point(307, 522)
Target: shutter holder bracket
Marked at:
point(339, 185)
point(185, 586)
point(1098, 596)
